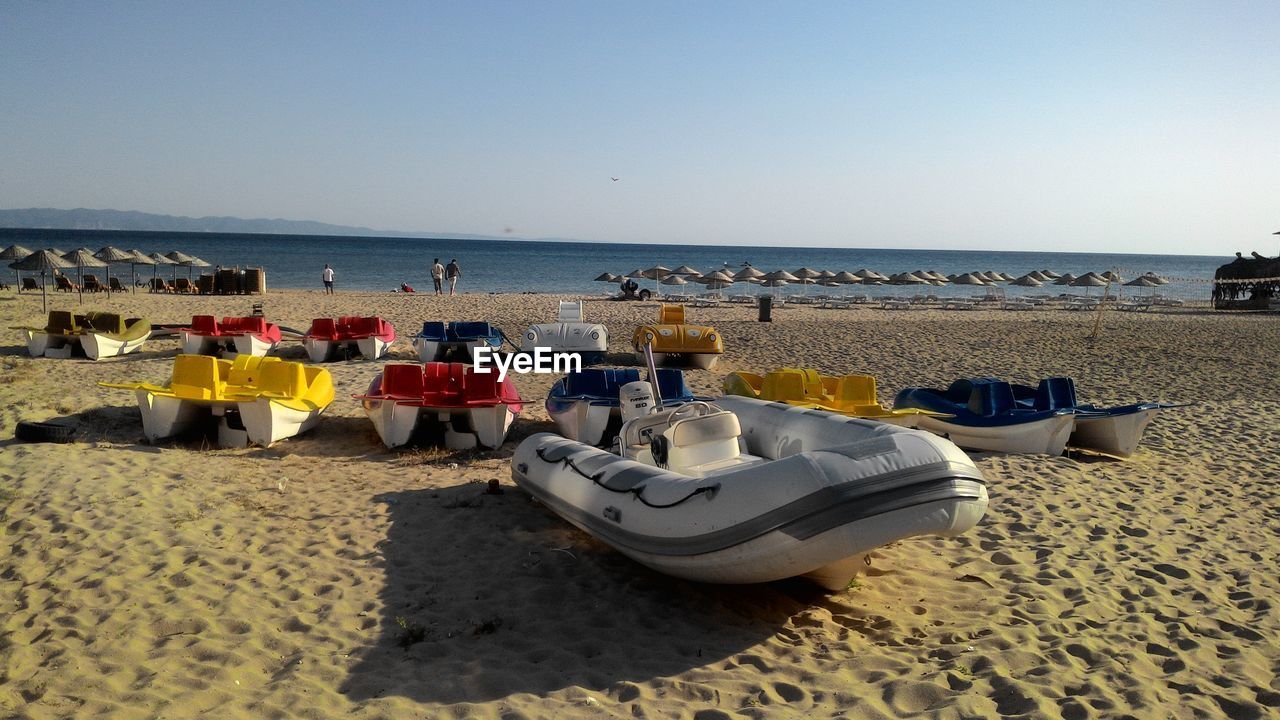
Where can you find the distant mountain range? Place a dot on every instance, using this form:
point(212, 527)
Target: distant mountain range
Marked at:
point(86, 219)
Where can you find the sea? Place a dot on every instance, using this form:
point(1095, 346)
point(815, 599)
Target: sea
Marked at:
point(503, 266)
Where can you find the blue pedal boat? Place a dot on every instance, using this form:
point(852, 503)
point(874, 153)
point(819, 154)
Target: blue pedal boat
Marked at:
point(984, 414)
point(1112, 431)
point(586, 404)
point(438, 340)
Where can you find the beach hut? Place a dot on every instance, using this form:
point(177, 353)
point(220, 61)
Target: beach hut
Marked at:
point(1258, 276)
point(43, 261)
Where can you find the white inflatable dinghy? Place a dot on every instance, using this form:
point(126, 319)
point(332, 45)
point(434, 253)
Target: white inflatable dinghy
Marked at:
point(748, 491)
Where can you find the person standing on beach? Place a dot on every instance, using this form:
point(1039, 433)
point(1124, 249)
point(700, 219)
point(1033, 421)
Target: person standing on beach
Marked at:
point(453, 272)
point(327, 276)
point(437, 275)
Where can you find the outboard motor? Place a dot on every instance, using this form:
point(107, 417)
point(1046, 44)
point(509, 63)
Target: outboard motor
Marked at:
point(637, 400)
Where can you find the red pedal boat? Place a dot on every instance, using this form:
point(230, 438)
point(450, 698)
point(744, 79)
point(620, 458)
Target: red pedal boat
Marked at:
point(475, 408)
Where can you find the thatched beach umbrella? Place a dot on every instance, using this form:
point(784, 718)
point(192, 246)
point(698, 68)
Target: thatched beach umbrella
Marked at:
point(136, 258)
point(685, 270)
point(825, 274)
point(845, 277)
point(1088, 281)
point(867, 274)
point(1065, 279)
point(42, 262)
point(606, 277)
point(969, 279)
point(805, 272)
point(194, 262)
point(1154, 277)
point(12, 254)
point(178, 257)
point(1027, 281)
point(163, 260)
point(81, 258)
point(907, 278)
point(782, 275)
point(1112, 276)
point(112, 255)
point(1050, 274)
point(1143, 281)
point(674, 279)
point(747, 273)
point(1037, 275)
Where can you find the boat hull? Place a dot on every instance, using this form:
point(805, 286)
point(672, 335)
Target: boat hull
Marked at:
point(97, 346)
point(835, 490)
point(465, 428)
point(1117, 435)
point(702, 361)
point(248, 344)
point(437, 350)
point(1047, 436)
point(260, 422)
point(320, 350)
point(193, 344)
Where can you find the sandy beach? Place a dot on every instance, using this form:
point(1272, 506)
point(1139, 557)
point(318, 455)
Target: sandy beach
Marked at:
point(327, 576)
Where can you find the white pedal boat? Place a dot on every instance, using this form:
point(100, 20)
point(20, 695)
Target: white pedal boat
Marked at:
point(982, 414)
point(437, 340)
point(1115, 431)
point(569, 334)
point(329, 339)
point(255, 400)
point(96, 334)
point(246, 335)
point(474, 408)
point(586, 405)
point(747, 491)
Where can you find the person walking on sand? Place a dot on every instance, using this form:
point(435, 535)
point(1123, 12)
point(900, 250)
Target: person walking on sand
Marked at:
point(437, 275)
point(453, 272)
point(327, 276)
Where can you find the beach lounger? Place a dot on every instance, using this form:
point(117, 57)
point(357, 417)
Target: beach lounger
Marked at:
point(1081, 304)
point(91, 284)
point(836, 304)
point(1017, 305)
point(704, 302)
point(159, 285)
point(802, 300)
point(183, 285)
point(29, 284)
point(62, 284)
point(742, 299)
point(115, 285)
point(959, 304)
point(895, 304)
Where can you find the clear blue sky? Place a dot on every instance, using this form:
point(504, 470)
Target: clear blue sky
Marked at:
point(1108, 126)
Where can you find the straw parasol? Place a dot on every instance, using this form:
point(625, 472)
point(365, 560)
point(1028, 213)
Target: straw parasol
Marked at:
point(178, 257)
point(807, 273)
point(1064, 279)
point(42, 262)
point(907, 278)
point(717, 280)
point(112, 255)
point(685, 270)
point(846, 278)
point(1027, 281)
point(782, 275)
point(1156, 278)
point(1113, 276)
point(81, 258)
point(673, 279)
point(136, 258)
point(825, 274)
point(1089, 280)
point(969, 279)
point(193, 262)
point(1050, 274)
point(747, 273)
point(1143, 281)
point(1037, 275)
point(606, 277)
point(12, 253)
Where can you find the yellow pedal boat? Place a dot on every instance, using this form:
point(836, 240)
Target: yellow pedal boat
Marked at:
point(96, 334)
point(257, 400)
point(851, 395)
point(674, 342)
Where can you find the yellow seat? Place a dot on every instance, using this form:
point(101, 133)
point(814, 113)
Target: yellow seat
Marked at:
point(196, 377)
point(853, 395)
point(671, 315)
point(246, 371)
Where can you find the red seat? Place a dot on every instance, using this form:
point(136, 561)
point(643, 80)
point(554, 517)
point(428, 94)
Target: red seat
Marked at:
point(324, 328)
point(481, 388)
point(402, 380)
point(204, 325)
point(362, 327)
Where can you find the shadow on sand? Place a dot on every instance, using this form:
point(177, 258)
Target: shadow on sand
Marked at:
point(489, 595)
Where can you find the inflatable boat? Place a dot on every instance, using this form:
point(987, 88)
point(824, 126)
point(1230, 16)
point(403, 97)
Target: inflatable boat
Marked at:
point(748, 491)
point(1112, 431)
point(569, 334)
point(852, 395)
point(244, 335)
point(96, 334)
point(674, 342)
point(256, 400)
point(460, 339)
point(586, 405)
point(982, 414)
point(330, 339)
point(473, 407)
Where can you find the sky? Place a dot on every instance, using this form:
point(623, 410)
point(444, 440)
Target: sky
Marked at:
point(1147, 127)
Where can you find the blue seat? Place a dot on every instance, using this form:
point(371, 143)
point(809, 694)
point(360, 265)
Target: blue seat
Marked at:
point(989, 397)
point(671, 384)
point(602, 383)
point(432, 330)
point(470, 330)
point(1055, 393)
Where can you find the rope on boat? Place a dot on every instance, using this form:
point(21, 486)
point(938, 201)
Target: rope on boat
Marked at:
point(637, 492)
